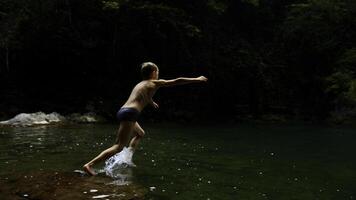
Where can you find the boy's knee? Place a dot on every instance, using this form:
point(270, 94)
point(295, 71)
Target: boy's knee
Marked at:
point(141, 133)
point(118, 147)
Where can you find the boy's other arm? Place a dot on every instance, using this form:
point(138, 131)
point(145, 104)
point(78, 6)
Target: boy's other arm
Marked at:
point(179, 81)
point(153, 104)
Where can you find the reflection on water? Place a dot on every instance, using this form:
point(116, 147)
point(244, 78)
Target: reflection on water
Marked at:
point(66, 185)
point(179, 162)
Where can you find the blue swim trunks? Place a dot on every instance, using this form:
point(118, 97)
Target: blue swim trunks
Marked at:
point(128, 114)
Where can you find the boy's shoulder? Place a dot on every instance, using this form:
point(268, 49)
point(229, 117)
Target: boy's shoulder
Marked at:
point(159, 81)
point(154, 83)
point(148, 83)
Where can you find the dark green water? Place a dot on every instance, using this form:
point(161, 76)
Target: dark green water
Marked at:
point(202, 162)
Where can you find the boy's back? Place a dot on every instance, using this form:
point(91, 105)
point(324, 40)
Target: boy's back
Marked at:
point(141, 95)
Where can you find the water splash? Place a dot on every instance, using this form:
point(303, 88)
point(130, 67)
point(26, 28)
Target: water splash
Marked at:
point(41, 118)
point(30, 119)
point(119, 166)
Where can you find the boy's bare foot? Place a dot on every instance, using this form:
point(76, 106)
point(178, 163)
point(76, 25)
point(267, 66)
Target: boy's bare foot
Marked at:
point(88, 170)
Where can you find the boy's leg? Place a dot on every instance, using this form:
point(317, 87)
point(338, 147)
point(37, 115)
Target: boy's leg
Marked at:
point(124, 131)
point(139, 133)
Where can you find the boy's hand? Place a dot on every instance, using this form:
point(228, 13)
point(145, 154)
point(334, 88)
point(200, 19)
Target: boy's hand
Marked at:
point(155, 105)
point(202, 78)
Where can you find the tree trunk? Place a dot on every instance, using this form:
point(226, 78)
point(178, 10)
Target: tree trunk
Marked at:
point(69, 10)
point(114, 41)
point(7, 59)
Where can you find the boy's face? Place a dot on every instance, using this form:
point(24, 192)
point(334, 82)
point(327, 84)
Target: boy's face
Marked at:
point(155, 73)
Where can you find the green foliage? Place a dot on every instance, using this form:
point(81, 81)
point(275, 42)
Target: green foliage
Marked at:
point(218, 6)
point(113, 4)
point(315, 26)
point(352, 90)
point(348, 60)
point(253, 2)
point(295, 55)
point(342, 82)
point(342, 86)
point(12, 14)
point(347, 63)
point(339, 83)
point(107, 5)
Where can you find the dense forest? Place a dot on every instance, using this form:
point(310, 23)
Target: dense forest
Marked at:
point(289, 58)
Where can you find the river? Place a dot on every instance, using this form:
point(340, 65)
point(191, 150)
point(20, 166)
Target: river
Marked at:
point(175, 161)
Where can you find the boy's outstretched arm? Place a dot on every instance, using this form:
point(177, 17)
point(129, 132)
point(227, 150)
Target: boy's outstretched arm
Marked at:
point(179, 81)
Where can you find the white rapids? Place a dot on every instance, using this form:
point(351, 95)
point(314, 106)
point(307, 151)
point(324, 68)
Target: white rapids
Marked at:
point(30, 119)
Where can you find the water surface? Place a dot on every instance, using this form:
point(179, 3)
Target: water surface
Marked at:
point(177, 161)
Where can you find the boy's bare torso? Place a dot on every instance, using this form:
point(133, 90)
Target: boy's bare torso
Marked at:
point(141, 95)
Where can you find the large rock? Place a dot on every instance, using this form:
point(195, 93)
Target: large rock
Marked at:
point(64, 186)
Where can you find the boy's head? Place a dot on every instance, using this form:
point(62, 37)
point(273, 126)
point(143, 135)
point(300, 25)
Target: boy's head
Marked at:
point(149, 70)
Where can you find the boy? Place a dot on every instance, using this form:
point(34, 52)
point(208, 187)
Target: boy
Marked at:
point(140, 97)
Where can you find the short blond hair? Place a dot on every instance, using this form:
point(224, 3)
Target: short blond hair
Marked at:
point(146, 70)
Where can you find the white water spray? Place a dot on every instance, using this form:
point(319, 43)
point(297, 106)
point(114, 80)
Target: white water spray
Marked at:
point(118, 166)
point(30, 119)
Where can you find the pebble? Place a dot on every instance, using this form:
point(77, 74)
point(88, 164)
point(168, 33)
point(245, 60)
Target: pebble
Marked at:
point(100, 196)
